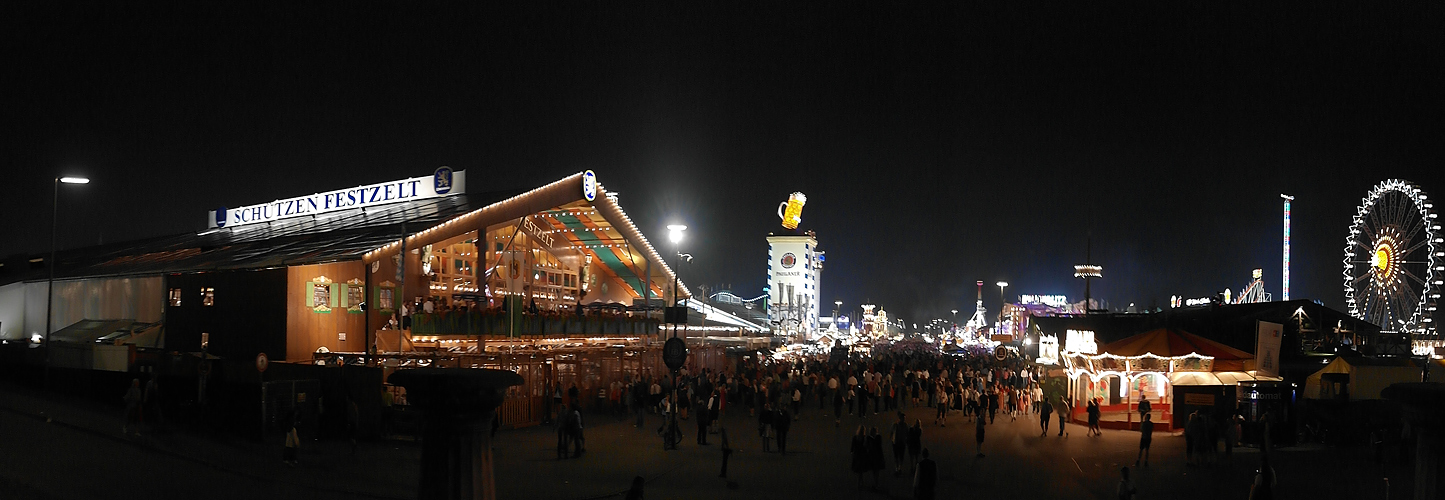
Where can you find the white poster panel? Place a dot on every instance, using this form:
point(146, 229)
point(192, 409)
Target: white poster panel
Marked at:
point(514, 269)
point(1266, 351)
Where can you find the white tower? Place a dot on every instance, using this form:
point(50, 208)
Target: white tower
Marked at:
point(979, 321)
point(795, 272)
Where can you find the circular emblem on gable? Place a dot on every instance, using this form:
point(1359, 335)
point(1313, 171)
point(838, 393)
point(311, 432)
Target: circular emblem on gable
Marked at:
point(589, 185)
point(788, 260)
point(442, 180)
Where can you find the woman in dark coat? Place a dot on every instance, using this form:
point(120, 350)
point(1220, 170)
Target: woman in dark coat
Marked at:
point(860, 454)
point(875, 454)
point(915, 444)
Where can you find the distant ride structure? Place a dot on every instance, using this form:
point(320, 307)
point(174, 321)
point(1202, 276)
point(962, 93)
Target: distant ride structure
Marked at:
point(1393, 260)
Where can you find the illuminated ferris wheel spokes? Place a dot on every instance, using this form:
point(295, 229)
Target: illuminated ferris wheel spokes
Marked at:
point(1391, 267)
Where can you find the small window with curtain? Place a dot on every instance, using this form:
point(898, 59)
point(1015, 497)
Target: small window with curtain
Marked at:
point(208, 296)
point(175, 297)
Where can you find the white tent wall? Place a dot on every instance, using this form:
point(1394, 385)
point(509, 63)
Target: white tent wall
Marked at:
point(138, 298)
point(12, 312)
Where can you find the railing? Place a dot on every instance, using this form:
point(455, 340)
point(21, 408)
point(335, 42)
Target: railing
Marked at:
point(497, 323)
point(521, 411)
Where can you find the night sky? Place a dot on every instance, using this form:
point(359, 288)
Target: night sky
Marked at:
point(937, 146)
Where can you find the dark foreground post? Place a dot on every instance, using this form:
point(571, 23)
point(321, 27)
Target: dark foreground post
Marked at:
point(1423, 403)
point(457, 405)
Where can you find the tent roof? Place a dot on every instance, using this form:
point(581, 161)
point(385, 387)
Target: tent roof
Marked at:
point(1169, 342)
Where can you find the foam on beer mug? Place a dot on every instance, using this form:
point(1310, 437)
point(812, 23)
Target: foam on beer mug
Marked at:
point(792, 210)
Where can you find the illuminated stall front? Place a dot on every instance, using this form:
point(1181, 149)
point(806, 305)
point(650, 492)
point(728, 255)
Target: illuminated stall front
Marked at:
point(1178, 372)
point(556, 283)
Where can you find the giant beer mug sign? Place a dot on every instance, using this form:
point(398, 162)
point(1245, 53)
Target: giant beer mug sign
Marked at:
point(791, 211)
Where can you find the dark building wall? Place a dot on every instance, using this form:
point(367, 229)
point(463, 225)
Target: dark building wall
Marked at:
point(248, 316)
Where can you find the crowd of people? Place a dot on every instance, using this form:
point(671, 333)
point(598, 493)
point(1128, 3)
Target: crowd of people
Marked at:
point(977, 389)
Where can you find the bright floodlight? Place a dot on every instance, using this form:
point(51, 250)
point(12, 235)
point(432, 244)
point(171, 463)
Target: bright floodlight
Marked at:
point(1002, 284)
point(674, 232)
point(75, 180)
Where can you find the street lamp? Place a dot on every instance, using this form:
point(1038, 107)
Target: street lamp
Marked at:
point(50, 283)
point(674, 233)
point(837, 308)
point(1001, 301)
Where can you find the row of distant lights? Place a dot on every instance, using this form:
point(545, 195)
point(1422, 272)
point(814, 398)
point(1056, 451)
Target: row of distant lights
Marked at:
point(609, 197)
point(475, 212)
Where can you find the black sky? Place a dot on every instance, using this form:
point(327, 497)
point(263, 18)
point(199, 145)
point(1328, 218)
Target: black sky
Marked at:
point(938, 144)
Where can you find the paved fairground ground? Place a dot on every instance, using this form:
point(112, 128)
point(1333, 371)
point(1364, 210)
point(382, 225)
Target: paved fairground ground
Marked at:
point(61, 448)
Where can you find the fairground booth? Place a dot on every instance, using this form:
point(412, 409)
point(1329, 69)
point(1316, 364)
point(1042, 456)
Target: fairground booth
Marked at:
point(1178, 372)
point(334, 290)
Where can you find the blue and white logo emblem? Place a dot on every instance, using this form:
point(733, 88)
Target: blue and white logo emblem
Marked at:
point(442, 180)
point(221, 217)
point(589, 185)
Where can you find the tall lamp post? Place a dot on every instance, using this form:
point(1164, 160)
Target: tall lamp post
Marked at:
point(50, 283)
point(837, 308)
point(674, 233)
point(1001, 300)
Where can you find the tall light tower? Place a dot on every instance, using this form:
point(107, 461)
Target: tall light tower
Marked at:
point(1088, 272)
point(1001, 300)
point(1287, 199)
point(50, 264)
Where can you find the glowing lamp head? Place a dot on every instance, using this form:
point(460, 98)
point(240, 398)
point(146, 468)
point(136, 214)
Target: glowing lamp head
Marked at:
point(791, 211)
point(74, 180)
point(674, 232)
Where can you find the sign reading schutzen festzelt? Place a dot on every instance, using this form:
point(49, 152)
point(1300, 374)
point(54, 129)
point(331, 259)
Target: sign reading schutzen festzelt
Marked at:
point(441, 183)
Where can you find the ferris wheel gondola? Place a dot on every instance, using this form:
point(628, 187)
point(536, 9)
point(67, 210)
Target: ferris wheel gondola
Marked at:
point(1393, 254)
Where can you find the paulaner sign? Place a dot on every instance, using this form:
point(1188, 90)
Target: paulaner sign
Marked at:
point(441, 183)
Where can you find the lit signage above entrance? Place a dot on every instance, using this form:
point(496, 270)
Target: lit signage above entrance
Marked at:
point(1080, 341)
point(444, 182)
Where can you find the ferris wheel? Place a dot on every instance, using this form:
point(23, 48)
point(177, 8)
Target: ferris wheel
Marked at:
point(1393, 254)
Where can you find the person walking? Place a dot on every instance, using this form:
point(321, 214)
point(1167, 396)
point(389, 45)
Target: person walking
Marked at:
point(1264, 480)
point(1064, 414)
point(132, 408)
point(1094, 414)
point(1144, 407)
point(702, 423)
point(635, 491)
point(899, 440)
point(978, 435)
point(875, 454)
point(1126, 489)
point(837, 405)
point(765, 426)
point(151, 402)
point(797, 401)
point(579, 442)
point(992, 404)
point(782, 421)
point(727, 449)
point(293, 444)
point(941, 419)
point(915, 443)
point(925, 479)
point(1191, 437)
point(859, 449)
point(1146, 436)
point(1046, 412)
